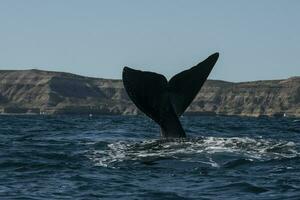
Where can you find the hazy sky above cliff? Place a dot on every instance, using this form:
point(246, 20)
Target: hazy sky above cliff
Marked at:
point(256, 39)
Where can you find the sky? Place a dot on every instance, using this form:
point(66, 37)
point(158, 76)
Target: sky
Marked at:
point(257, 40)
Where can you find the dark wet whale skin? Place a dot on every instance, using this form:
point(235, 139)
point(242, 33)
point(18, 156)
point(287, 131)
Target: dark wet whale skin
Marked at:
point(164, 101)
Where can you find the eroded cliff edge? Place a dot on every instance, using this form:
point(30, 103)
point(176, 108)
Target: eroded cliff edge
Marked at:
point(45, 92)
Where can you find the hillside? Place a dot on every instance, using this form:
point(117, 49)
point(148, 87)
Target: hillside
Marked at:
point(35, 91)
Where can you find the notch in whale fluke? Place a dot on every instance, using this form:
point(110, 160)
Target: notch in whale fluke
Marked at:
point(165, 101)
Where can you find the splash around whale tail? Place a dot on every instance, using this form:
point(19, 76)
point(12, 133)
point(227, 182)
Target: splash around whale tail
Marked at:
point(165, 101)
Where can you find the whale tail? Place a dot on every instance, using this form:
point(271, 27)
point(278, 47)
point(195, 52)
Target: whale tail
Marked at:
point(165, 101)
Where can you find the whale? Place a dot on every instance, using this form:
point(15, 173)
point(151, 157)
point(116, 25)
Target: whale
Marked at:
point(165, 101)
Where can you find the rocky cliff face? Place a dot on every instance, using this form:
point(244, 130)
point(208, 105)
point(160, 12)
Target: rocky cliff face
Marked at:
point(35, 91)
point(257, 98)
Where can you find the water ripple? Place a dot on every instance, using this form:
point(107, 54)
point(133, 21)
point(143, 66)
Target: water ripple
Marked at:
point(194, 149)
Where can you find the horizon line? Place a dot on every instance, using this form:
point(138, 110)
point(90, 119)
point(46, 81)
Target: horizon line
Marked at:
point(116, 79)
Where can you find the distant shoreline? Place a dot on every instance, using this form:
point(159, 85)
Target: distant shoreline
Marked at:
point(279, 115)
point(34, 92)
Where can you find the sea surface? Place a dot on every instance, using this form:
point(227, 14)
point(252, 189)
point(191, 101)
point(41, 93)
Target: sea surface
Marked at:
point(123, 157)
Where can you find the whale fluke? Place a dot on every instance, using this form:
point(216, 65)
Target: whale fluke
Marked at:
point(149, 93)
point(184, 86)
point(165, 101)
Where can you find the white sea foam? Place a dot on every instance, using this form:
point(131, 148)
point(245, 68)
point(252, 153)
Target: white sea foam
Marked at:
point(196, 150)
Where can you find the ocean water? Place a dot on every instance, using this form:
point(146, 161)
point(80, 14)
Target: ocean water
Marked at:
point(122, 157)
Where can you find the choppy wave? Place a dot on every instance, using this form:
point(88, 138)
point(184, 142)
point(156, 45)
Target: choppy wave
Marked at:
point(117, 157)
point(195, 149)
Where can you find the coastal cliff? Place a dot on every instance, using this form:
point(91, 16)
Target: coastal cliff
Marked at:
point(45, 92)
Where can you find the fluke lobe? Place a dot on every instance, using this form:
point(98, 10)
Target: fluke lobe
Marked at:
point(164, 101)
